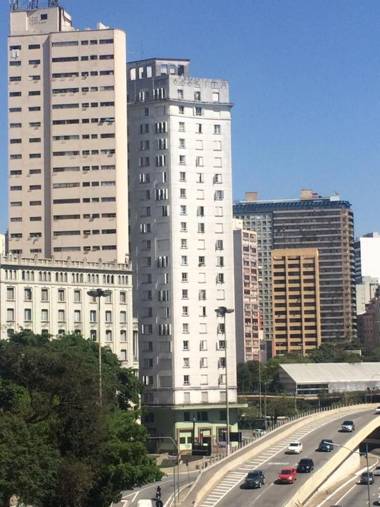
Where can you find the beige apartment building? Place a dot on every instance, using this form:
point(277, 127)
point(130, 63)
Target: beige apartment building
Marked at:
point(295, 300)
point(249, 333)
point(67, 138)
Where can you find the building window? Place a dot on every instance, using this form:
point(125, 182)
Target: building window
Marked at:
point(108, 335)
point(10, 294)
point(77, 316)
point(61, 295)
point(44, 315)
point(108, 316)
point(77, 296)
point(61, 316)
point(10, 315)
point(203, 362)
point(123, 317)
point(27, 294)
point(92, 316)
point(186, 380)
point(123, 297)
point(123, 335)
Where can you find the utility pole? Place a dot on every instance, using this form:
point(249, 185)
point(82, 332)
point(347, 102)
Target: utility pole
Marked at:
point(221, 312)
point(98, 294)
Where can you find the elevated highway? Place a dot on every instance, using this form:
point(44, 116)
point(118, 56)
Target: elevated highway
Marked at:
point(221, 484)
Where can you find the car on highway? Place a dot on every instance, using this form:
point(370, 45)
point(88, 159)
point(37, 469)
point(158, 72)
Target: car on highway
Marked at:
point(295, 447)
point(377, 501)
point(254, 479)
point(326, 445)
point(287, 475)
point(377, 410)
point(305, 466)
point(347, 426)
point(376, 471)
point(367, 478)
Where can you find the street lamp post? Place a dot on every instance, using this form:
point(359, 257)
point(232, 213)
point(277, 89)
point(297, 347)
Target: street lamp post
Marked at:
point(98, 294)
point(221, 311)
point(367, 466)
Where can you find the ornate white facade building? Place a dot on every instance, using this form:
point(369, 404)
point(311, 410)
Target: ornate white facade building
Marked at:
point(50, 296)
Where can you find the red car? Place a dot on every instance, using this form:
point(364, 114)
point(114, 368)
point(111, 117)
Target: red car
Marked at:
point(287, 475)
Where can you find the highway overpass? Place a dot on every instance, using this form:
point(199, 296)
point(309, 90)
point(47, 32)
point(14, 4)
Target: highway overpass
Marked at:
point(221, 484)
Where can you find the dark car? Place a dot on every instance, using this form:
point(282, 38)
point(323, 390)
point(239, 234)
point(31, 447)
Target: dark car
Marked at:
point(254, 479)
point(367, 478)
point(305, 466)
point(326, 445)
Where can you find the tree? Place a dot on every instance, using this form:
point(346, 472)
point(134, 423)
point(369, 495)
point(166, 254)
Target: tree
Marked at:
point(68, 451)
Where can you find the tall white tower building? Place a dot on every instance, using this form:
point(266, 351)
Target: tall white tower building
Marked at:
point(182, 245)
point(67, 137)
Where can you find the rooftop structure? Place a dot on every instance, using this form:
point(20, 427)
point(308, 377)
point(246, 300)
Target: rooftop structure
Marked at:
point(314, 378)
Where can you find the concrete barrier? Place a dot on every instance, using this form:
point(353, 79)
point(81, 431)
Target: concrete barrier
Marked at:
point(320, 478)
point(257, 447)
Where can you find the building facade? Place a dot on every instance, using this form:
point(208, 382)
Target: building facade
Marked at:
point(369, 324)
point(247, 316)
point(295, 301)
point(365, 291)
point(181, 232)
point(367, 255)
point(67, 138)
point(309, 222)
point(48, 296)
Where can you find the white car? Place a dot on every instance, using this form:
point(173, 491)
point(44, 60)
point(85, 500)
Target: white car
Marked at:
point(376, 471)
point(377, 410)
point(295, 447)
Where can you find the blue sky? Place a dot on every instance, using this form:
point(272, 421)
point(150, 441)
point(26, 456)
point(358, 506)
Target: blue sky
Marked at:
point(304, 78)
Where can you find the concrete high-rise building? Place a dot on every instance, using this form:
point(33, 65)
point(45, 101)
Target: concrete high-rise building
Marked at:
point(367, 256)
point(295, 300)
point(68, 186)
point(181, 232)
point(247, 317)
point(67, 137)
point(309, 222)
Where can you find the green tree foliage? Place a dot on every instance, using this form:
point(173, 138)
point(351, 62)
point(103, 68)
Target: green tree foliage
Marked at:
point(58, 447)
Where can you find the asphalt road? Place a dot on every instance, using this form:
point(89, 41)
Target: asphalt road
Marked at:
point(353, 494)
point(229, 492)
point(130, 498)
